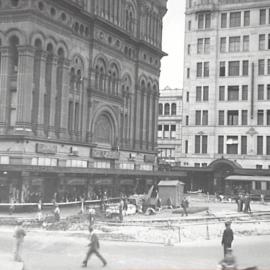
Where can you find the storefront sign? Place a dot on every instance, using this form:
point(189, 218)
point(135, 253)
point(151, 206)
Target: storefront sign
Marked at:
point(46, 148)
point(105, 154)
point(103, 182)
point(149, 158)
point(127, 182)
point(76, 182)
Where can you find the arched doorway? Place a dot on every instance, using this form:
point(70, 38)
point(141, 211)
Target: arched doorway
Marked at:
point(221, 169)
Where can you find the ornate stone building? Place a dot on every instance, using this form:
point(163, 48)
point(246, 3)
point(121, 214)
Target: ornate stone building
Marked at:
point(79, 87)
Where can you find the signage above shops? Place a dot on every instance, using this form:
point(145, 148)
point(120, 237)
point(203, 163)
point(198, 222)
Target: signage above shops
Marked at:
point(149, 158)
point(105, 154)
point(46, 148)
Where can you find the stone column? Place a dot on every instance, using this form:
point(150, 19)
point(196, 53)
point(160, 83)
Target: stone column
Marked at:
point(84, 114)
point(64, 100)
point(52, 134)
point(131, 119)
point(39, 81)
point(24, 89)
point(150, 129)
point(4, 82)
point(145, 111)
point(138, 119)
point(155, 115)
point(253, 185)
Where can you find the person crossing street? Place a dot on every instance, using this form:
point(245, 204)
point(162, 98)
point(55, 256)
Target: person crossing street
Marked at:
point(93, 248)
point(227, 237)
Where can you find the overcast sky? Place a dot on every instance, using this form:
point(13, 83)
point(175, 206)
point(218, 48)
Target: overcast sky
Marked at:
point(173, 45)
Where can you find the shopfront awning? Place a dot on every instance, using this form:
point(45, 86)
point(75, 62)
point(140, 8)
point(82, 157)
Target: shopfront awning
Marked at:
point(248, 178)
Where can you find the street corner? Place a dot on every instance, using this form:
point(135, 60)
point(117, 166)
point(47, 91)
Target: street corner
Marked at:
point(7, 263)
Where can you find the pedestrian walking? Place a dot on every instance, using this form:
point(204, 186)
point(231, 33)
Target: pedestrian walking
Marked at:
point(12, 206)
point(93, 248)
point(227, 237)
point(121, 208)
point(39, 214)
point(262, 198)
point(184, 205)
point(57, 213)
point(19, 235)
point(247, 204)
point(91, 216)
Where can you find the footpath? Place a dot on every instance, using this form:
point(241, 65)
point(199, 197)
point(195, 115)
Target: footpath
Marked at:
point(7, 263)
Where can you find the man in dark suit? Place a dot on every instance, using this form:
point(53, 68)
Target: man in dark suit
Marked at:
point(93, 248)
point(227, 237)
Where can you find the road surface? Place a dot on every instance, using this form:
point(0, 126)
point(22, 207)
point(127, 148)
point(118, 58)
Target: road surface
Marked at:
point(62, 251)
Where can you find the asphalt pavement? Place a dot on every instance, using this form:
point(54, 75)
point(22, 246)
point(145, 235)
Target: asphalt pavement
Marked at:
point(64, 251)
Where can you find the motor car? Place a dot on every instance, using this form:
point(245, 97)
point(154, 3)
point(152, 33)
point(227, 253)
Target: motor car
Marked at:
point(112, 210)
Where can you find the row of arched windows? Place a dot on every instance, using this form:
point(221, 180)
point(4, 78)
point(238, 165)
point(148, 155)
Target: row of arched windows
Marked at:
point(167, 109)
point(111, 10)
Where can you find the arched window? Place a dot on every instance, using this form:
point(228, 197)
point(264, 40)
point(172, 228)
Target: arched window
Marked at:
point(173, 112)
point(143, 85)
point(100, 75)
point(167, 109)
point(113, 79)
point(160, 109)
point(14, 42)
point(129, 18)
point(72, 78)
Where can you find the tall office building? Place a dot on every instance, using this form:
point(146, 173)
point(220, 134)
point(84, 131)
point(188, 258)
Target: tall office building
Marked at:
point(226, 114)
point(169, 126)
point(79, 87)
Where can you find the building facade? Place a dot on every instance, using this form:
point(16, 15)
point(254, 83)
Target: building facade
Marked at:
point(79, 87)
point(169, 125)
point(227, 92)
